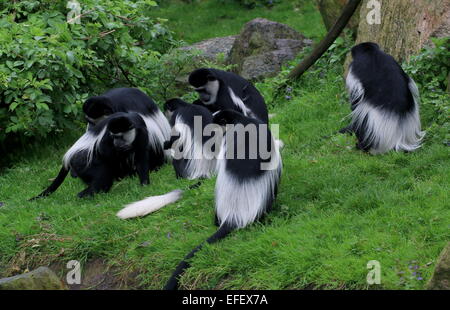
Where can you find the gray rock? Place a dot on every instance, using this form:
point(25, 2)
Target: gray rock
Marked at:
point(215, 50)
point(39, 279)
point(211, 49)
point(263, 46)
point(441, 276)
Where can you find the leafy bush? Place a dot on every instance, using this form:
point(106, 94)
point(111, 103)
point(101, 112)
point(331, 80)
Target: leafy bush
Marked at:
point(430, 69)
point(48, 67)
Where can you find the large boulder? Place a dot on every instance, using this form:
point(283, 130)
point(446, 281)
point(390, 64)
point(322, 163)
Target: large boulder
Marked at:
point(39, 279)
point(213, 49)
point(441, 276)
point(263, 46)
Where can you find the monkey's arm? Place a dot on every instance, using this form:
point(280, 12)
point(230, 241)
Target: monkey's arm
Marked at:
point(347, 130)
point(142, 166)
point(55, 184)
point(101, 182)
point(168, 144)
point(211, 107)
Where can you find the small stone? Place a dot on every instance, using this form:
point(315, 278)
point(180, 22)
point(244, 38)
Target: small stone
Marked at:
point(144, 244)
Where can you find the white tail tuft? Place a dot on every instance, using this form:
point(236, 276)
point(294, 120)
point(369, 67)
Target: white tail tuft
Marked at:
point(149, 205)
point(279, 144)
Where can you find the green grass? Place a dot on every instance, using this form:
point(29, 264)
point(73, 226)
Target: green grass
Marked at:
point(336, 210)
point(213, 18)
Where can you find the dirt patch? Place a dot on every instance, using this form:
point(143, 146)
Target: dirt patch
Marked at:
point(97, 274)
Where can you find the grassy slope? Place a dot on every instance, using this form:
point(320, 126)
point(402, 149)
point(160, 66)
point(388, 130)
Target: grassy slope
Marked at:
point(337, 209)
point(212, 18)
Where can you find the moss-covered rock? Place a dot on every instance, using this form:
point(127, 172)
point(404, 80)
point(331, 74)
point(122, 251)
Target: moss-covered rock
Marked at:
point(214, 48)
point(263, 46)
point(441, 276)
point(39, 279)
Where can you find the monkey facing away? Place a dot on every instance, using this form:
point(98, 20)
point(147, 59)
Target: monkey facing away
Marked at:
point(384, 102)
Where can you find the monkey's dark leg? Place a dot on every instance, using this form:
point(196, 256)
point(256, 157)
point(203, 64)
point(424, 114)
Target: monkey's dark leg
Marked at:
point(102, 181)
point(179, 165)
point(361, 135)
point(363, 147)
point(55, 184)
point(216, 220)
point(168, 144)
point(347, 130)
point(143, 166)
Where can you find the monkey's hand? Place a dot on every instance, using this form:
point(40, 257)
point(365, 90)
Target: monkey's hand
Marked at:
point(347, 130)
point(88, 192)
point(145, 181)
point(167, 145)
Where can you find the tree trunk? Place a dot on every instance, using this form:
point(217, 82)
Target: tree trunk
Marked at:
point(331, 10)
point(406, 25)
point(350, 8)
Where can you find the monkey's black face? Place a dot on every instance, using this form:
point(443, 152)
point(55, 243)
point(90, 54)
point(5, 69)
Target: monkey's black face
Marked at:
point(123, 141)
point(123, 133)
point(204, 95)
point(208, 92)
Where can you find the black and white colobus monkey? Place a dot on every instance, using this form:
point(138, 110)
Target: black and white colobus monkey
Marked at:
point(246, 184)
point(220, 90)
point(116, 147)
point(125, 100)
point(384, 102)
point(192, 157)
point(194, 160)
point(119, 100)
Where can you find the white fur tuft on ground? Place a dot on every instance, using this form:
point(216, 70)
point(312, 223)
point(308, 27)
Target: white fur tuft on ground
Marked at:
point(149, 205)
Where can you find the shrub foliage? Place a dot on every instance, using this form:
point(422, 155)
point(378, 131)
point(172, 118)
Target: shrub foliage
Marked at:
point(49, 66)
point(431, 71)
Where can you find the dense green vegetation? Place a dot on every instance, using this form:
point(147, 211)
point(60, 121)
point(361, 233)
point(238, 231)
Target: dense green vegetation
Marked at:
point(48, 67)
point(337, 208)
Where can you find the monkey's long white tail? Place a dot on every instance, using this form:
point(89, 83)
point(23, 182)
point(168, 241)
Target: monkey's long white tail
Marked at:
point(149, 205)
